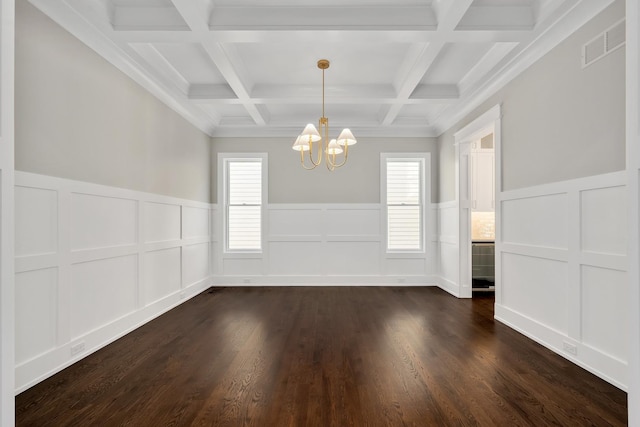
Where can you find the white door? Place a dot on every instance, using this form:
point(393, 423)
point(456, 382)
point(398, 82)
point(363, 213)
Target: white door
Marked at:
point(465, 206)
point(484, 182)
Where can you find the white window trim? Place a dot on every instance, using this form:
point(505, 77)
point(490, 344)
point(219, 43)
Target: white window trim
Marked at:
point(425, 158)
point(223, 158)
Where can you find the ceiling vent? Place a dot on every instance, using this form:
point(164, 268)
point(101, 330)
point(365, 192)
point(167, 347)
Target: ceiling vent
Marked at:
point(606, 42)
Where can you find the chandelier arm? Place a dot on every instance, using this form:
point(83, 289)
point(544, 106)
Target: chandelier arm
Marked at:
point(303, 164)
point(316, 163)
point(323, 125)
point(346, 155)
point(329, 162)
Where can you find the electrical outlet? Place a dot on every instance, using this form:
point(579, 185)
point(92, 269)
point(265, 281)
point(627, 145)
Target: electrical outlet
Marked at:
point(77, 348)
point(247, 280)
point(402, 280)
point(570, 348)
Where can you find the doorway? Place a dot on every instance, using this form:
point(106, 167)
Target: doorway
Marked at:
point(478, 177)
point(482, 186)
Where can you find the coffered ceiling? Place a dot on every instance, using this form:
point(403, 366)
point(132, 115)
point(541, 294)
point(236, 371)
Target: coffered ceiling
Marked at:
point(248, 67)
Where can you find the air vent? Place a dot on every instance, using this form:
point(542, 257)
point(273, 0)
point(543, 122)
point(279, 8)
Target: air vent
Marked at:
point(593, 50)
point(615, 36)
point(604, 43)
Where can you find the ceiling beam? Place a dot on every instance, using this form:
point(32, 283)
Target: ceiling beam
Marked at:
point(160, 66)
point(449, 13)
point(210, 92)
point(306, 17)
point(221, 58)
point(333, 93)
point(492, 58)
point(217, 99)
point(546, 8)
point(340, 94)
point(245, 129)
point(142, 35)
point(435, 92)
point(411, 79)
point(498, 17)
point(195, 13)
point(126, 35)
point(159, 18)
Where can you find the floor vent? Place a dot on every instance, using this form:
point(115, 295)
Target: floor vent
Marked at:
point(606, 42)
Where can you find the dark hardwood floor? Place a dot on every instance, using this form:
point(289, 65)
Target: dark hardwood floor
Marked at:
point(324, 356)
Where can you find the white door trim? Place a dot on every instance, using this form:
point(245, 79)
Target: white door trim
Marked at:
point(489, 122)
point(633, 185)
point(7, 286)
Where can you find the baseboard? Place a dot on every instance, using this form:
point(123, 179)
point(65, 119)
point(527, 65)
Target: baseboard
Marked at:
point(47, 364)
point(324, 280)
point(448, 286)
point(611, 369)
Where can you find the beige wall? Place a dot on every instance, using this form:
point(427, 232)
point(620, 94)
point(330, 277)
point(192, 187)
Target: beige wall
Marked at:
point(79, 117)
point(356, 182)
point(559, 121)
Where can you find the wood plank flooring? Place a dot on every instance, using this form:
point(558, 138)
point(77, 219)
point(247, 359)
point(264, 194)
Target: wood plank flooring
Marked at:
point(324, 356)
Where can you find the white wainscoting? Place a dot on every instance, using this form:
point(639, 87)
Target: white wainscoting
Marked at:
point(325, 244)
point(563, 278)
point(95, 262)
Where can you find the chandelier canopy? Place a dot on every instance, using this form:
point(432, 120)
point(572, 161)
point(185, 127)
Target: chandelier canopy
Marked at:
point(310, 139)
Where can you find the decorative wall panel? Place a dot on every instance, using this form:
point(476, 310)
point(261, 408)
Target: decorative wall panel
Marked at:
point(162, 274)
point(36, 328)
point(161, 222)
point(563, 271)
point(195, 222)
point(604, 220)
point(536, 288)
point(102, 291)
point(195, 263)
point(537, 221)
point(84, 274)
point(100, 222)
point(296, 258)
point(605, 311)
point(326, 243)
point(36, 221)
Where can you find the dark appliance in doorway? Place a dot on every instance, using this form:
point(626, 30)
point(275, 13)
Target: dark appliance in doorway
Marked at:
point(483, 265)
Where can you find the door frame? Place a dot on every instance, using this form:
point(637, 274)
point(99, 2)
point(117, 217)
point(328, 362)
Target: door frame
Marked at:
point(7, 277)
point(633, 186)
point(489, 122)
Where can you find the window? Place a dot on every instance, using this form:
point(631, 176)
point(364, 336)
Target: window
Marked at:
point(243, 204)
point(404, 198)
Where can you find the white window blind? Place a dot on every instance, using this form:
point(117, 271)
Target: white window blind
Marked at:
point(244, 205)
point(404, 205)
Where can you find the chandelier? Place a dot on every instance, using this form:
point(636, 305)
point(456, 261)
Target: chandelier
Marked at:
point(307, 140)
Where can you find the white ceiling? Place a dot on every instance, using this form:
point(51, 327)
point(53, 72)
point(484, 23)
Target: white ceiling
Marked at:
point(248, 67)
